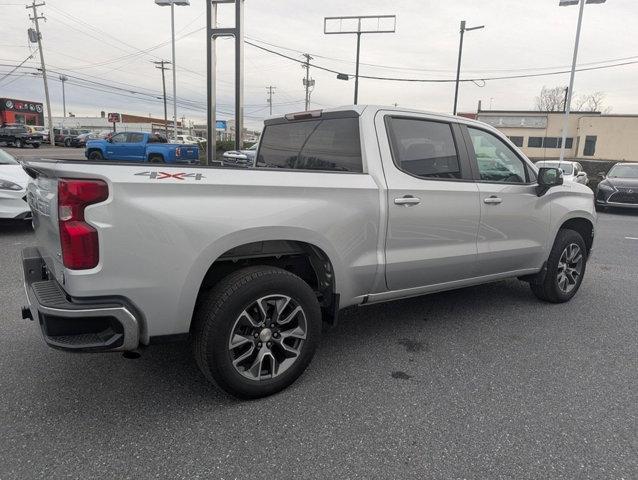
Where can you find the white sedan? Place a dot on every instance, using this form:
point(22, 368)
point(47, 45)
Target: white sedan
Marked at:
point(572, 171)
point(13, 189)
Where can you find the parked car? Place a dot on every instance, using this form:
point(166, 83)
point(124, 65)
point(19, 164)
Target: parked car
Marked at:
point(140, 147)
point(343, 207)
point(13, 185)
point(619, 187)
point(81, 139)
point(572, 171)
point(186, 140)
point(19, 136)
point(240, 158)
point(39, 130)
point(65, 136)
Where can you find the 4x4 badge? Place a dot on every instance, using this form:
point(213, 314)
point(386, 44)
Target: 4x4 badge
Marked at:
point(166, 175)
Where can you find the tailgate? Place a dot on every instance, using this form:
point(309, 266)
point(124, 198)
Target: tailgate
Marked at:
point(42, 197)
point(189, 152)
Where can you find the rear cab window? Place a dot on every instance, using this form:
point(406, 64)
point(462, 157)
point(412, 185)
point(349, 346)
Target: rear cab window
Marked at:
point(330, 142)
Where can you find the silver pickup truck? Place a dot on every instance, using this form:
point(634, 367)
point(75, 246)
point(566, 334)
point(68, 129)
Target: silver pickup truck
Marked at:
point(342, 207)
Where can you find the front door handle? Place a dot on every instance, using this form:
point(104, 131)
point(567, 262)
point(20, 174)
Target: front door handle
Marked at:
point(407, 200)
point(493, 200)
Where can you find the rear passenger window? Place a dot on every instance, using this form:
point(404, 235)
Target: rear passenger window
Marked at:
point(135, 137)
point(424, 148)
point(327, 144)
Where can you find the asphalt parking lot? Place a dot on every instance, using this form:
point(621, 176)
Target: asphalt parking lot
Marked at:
point(45, 151)
point(484, 382)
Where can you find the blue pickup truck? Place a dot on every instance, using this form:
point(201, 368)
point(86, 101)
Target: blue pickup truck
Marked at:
point(140, 147)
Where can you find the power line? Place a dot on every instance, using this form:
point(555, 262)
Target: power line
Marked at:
point(19, 65)
point(440, 80)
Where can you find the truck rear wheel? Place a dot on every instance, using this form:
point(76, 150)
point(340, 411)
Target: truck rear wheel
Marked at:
point(156, 159)
point(565, 268)
point(256, 331)
point(18, 143)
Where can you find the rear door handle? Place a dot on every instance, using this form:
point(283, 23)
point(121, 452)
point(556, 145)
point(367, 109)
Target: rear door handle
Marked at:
point(493, 200)
point(407, 200)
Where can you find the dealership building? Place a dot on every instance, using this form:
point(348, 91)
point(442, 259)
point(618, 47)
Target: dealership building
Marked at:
point(590, 135)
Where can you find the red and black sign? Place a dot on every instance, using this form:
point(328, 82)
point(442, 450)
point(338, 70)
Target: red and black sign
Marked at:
point(21, 111)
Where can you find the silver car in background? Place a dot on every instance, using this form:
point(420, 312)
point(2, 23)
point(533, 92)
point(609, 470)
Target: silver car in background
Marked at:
point(572, 171)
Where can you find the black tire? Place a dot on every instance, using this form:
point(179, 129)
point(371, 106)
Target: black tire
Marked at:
point(67, 142)
point(18, 143)
point(156, 159)
point(549, 289)
point(216, 319)
point(96, 155)
point(600, 208)
point(36, 145)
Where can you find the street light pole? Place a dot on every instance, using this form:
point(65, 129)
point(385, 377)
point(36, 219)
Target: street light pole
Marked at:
point(458, 66)
point(356, 74)
point(174, 72)
point(63, 78)
point(570, 90)
point(172, 3)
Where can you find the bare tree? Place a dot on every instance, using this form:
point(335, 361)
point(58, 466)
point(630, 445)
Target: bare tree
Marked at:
point(592, 102)
point(551, 99)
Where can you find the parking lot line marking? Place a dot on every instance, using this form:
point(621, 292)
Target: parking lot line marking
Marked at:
point(631, 238)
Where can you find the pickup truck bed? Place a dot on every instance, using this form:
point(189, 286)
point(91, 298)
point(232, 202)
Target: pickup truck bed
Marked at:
point(344, 207)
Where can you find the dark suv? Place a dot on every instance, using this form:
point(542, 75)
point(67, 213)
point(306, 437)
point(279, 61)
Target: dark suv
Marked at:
point(65, 136)
point(19, 136)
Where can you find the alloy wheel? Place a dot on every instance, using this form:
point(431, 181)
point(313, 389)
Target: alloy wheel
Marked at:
point(570, 268)
point(267, 337)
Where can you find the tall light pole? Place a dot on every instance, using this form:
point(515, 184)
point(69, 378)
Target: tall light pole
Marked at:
point(458, 66)
point(570, 90)
point(63, 78)
point(172, 3)
point(359, 25)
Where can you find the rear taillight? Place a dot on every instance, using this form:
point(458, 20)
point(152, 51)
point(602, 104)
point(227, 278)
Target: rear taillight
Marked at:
point(79, 240)
point(178, 152)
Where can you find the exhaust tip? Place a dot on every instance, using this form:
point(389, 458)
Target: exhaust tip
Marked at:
point(132, 355)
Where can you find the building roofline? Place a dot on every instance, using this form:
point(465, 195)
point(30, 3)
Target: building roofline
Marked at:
point(535, 112)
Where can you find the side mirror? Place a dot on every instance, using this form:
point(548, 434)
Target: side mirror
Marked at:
point(581, 174)
point(110, 139)
point(548, 178)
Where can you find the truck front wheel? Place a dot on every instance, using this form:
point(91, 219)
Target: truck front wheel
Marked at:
point(256, 331)
point(565, 268)
point(96, 155)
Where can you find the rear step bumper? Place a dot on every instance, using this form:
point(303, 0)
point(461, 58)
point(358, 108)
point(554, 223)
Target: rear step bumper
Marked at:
point(79, 325)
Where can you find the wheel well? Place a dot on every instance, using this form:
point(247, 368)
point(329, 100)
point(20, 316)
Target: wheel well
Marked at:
point(307, 261)
point(582, 226)
point(156, 155)
point(91, 150)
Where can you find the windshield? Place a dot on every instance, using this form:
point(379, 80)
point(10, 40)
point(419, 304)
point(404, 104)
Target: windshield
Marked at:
point(624, 171)
point(567, 168)
point(6, 159)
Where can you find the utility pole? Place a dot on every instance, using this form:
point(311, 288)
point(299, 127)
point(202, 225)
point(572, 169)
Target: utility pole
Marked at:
point(63, 78)
point(458, 66)
point(363, 24)
point(271, 91)
point(34, 6)
point(565, 101)
point(162, 66)
point(308, 82)
point(183, 123)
